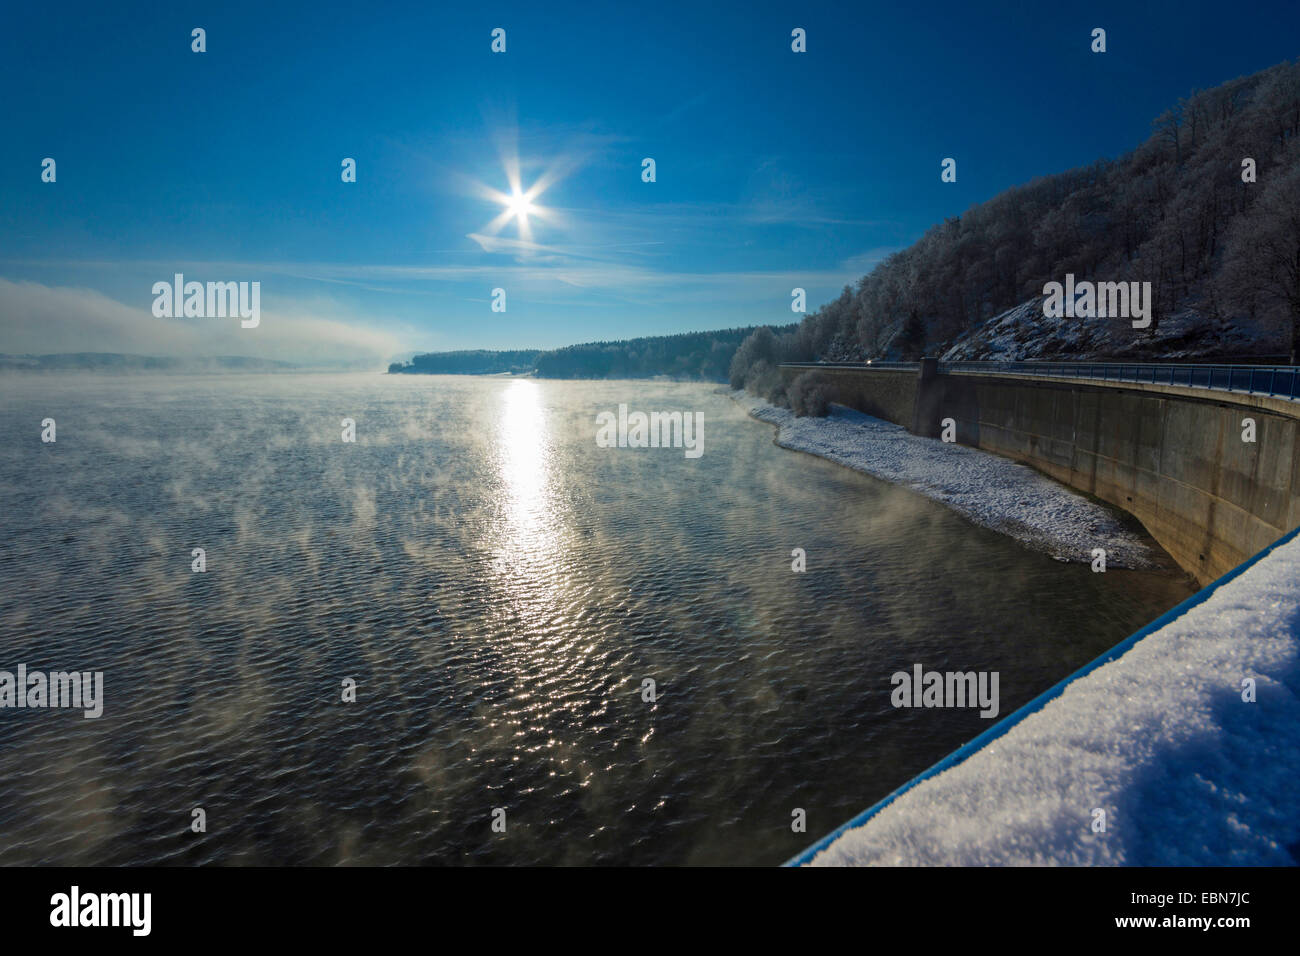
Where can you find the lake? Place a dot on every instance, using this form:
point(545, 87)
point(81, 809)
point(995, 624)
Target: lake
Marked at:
point(500, 588)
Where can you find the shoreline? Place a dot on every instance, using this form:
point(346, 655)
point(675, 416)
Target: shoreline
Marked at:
point(989, 491)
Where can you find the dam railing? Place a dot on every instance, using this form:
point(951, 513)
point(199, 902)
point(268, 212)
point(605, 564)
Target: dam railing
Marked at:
point(1275, 381)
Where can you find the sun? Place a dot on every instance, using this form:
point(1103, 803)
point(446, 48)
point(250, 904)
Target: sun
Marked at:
point(519, 205)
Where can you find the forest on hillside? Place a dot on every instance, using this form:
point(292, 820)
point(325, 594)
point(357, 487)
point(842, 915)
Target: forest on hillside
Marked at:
point(1217, 237)
point(688, 356)
point(468, 362)
point(705, 356)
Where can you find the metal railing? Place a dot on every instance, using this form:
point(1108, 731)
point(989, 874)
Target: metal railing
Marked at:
point(1277, 381)
point(890, 366)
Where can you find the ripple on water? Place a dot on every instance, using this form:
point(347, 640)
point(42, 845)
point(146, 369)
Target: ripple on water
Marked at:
point(499, 589)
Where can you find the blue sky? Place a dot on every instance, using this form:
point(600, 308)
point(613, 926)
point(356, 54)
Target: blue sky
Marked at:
point(774, 169)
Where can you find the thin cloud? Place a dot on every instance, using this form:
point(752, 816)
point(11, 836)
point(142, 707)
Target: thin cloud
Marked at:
point(41, 319)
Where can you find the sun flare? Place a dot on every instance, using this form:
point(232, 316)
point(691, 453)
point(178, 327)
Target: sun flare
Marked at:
point(519, 205)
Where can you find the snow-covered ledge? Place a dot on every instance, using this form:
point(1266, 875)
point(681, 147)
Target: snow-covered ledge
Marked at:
point(988, 490)
point(1158, 733)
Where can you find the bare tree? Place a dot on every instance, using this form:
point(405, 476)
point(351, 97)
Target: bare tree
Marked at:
point(1262, 256)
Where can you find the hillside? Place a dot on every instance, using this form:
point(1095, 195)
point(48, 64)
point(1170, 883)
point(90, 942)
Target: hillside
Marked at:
point(468, 362)
point(1023, 332)
point(693, 356)
point(1218, 243)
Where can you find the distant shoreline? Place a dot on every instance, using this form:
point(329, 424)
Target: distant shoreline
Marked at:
point(125, 362)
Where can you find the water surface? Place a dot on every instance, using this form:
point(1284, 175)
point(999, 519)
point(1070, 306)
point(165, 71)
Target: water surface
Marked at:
point(499, 588)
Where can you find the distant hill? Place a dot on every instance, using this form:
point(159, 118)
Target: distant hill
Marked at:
point(118, 362)
point(472, 362)
point(691, 356)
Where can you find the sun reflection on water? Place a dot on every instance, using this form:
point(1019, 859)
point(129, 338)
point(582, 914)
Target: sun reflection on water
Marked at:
point(529, 559)
point(534, 586)
point(524, 458)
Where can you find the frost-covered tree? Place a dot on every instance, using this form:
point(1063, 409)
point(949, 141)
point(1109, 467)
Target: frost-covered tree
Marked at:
point(1262, 258)
point(1173, 212)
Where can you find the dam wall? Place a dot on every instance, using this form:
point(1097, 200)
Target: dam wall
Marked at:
point(882, 393)
point(1172, 456)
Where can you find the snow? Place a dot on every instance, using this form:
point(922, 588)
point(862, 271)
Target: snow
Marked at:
point(1187, 772)
point(990, 491)
point(1023, 332)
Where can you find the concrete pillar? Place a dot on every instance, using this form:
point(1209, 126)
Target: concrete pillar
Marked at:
point(929, 397)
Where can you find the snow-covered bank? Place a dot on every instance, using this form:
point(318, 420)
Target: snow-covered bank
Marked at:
point(1160, 739)
point(993, 492)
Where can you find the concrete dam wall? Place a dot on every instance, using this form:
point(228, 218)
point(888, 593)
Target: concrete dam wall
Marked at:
point(1172, 456)
point(882, 393)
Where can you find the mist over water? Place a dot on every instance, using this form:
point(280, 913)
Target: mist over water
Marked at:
point(499, 587)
